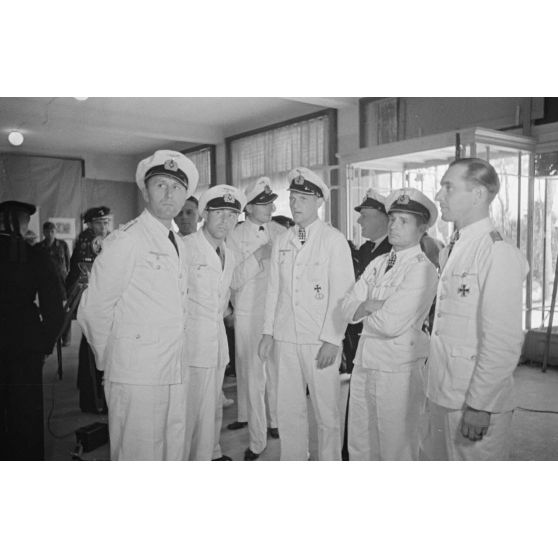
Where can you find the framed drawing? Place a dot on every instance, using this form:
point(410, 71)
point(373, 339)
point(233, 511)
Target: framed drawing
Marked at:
point(65, 227)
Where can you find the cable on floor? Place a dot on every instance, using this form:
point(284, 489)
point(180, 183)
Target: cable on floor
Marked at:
point(57, 436)
point(536, 411)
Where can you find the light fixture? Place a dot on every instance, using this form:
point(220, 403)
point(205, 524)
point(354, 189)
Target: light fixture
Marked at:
point(81, 98)
point(15, 138)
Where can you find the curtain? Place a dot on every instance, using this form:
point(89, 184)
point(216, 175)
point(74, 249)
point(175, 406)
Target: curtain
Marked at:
point(54, 185)
point(202, 160)
point(275, 152)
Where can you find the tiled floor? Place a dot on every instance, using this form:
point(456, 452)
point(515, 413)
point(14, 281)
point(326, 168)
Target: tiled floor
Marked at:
point(535, 434)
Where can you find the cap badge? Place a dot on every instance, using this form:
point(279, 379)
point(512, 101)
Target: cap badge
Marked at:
point(404, 199)
point(228, 197)
point(299, 180)
point(170, 164)
point(267, 189)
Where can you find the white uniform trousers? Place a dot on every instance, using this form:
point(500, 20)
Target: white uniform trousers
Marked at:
point(296, 369)
point(444, 440)
point(253, 379)
point(385, 411)
point(146, 422)
point(204, 413)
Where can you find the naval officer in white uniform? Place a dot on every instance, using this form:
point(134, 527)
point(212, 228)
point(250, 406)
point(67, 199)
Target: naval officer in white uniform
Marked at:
point(210, 266)
point(392, 298)
point(251, 242)
point(477, 333)
point(311, 271)
point(134, 317)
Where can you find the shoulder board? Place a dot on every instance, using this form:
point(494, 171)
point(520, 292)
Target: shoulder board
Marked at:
point(495, 236)
point(128, 225)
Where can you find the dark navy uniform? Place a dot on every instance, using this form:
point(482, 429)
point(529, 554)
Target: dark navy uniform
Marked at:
point(27, 334)
point(90, 379)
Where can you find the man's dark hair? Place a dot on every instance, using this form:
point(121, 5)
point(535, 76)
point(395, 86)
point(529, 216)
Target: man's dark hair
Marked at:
point(480, 172)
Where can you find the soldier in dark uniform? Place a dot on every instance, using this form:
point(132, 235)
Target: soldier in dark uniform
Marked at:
point(88, 247)
point(59, 253)
point(373, 221)
point(27, 333)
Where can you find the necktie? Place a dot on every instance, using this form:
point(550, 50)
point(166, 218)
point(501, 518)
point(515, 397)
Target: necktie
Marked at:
point(391, 261)
point(218, 250)
point(171, 238)
point(372, 246)
point(302, 235)
point(454, 238)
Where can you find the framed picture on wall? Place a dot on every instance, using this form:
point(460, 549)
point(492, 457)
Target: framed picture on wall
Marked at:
point(65, 227)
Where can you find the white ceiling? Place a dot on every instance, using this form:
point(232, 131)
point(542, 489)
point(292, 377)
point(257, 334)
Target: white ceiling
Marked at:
point(64, 126)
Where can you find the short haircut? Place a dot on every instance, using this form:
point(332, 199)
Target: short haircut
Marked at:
point(48, 226)
point(194, 200)
point(481, 172)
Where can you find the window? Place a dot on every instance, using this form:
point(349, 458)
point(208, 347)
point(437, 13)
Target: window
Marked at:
point(545, 235)
point(203, 158)
point(310, 141)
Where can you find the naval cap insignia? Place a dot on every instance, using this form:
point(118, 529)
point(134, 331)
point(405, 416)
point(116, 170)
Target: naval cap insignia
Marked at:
point(267, 189)
point(299, 180)
point(170, 164)
point(228, 197)
point(403, 199)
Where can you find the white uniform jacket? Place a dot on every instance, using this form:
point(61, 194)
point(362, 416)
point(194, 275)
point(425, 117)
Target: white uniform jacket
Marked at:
point(249, 282)
point(392, 337)
point(477, 332)
point(306, 286)
point(208, 297)
point(134, 311)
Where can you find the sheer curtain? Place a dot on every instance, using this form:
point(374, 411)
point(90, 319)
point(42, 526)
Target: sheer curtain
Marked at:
point(275, 152)
point(202, 160)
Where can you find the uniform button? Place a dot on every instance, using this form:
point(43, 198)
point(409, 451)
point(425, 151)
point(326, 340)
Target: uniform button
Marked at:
point(473, 357)
point(439, 314)
point(436, 332)
point(138, 336)
point(441, 297)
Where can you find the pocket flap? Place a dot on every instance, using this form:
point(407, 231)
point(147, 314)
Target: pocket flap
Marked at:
point(464, 352)
point(140, 333)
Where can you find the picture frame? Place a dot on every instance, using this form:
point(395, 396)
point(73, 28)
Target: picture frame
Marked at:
point(65, 227)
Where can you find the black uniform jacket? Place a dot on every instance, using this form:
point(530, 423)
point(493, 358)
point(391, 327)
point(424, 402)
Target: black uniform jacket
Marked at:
point(24, 326)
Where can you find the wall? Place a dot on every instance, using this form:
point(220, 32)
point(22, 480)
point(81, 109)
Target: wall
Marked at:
point(425, 116)
point(110, 167)
point(121, 197)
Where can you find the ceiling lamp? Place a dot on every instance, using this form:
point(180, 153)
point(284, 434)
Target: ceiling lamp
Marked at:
point(15, 138)
point(81, 98)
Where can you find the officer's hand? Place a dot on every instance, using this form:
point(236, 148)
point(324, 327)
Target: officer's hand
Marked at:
point(264, 348)
point(373, 305)
point(366, 308)
point(474, 424)
point(263, 252)
point(326, 355)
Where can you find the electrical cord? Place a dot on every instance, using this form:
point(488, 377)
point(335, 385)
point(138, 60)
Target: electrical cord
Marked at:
point(57, 436)
point(536, 411)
